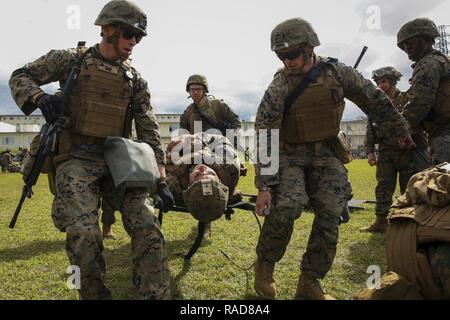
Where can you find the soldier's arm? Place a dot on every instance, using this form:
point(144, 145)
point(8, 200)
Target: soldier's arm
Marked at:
point(369, 139)
point(232, 119)
point(372, 101)
point(422, 94)
point(184, 119)
point(147, 128)
point(268, 117)
point(25, 82)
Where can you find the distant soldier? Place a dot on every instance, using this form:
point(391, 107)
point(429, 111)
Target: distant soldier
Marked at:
point(392, 161)
point(6, 160)
point(211, 112)
point(428, 105)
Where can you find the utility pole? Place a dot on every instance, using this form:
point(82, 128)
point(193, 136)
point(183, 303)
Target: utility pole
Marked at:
point(442, 40)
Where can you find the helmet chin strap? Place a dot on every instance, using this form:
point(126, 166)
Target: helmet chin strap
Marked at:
point(114, 41)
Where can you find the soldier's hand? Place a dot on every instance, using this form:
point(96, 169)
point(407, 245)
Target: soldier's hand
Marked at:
point(406, 142)
point(166, 197)
point(49, 106)
point(263, 201)
point(372, 159)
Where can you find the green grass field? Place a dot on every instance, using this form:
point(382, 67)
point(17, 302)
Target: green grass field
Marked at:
point(33, 259)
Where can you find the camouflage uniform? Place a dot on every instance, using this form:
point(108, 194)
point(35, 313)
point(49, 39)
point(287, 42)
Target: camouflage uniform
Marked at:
point(5, 161)
point(428, 104)
point(311, 172)
point(392, 161)
point(216, 110)
point(227, 169)
point(80, 183)
point(421, 97)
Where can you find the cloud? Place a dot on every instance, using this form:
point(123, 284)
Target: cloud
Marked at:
point(393, 14)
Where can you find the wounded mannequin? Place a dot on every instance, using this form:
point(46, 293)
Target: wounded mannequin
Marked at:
point(202, 173)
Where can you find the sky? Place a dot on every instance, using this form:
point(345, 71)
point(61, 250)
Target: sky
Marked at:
point(228, 41)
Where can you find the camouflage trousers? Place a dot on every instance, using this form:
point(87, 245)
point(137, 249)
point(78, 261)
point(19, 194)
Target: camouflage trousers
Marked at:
point(306, 176)
point(441, 148)
point(75, 211)
point(390, 165)
point(439, 257)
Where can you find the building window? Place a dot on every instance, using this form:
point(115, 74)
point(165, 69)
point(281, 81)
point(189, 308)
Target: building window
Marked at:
point(9, 141)
point(173, 128)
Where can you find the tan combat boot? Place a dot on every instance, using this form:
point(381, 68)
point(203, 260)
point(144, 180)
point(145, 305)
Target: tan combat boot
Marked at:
point(308, 288)
point(264, 281)
point(380, 225)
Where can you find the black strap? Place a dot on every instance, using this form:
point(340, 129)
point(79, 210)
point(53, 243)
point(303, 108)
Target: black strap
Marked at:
point(203, 116)
point(310, 77)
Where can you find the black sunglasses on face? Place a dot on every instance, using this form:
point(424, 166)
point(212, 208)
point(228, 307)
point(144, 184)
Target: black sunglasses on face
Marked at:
point(129, 34)
point(290, 55)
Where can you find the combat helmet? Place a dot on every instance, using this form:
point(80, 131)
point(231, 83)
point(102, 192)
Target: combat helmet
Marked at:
point(123, 12)
point(417, 27)
point(387, 72)
point(206, 200)
point(197, 79)
point(293, 32)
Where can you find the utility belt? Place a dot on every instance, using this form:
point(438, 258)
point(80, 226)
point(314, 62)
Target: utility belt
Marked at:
point(339, 145)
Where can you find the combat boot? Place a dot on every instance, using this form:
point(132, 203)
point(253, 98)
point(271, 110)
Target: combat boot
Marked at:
point(264, 281)
point(380, 225)
point(309, 288)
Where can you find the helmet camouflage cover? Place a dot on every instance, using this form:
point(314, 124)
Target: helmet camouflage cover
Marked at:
point(386, 72)
point(291, 33)
point(417, 27)
point(197, 79)
point(123, 12)
point(206, 200)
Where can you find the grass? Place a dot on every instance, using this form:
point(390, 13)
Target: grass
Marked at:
point(33, 259)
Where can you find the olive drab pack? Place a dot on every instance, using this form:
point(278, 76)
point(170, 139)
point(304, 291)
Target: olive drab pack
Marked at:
point(392, 287)
point(132, 164)
point(316, 114)
point(100, 98)
point(422, 216)
point(342, 148)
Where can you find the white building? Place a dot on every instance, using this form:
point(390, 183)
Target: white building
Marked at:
point(356, 132)
point(14, 136)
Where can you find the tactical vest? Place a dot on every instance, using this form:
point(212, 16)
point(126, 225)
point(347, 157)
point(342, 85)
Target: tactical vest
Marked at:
point(210, 109)
point(100, 99)
point(316, 114)
point(439, 115)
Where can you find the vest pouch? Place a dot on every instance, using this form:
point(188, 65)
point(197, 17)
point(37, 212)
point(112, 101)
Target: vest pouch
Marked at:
point(342, 148)
point(310, 126)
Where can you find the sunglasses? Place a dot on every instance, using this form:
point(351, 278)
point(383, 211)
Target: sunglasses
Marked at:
point(130, 34)
point(290, 55)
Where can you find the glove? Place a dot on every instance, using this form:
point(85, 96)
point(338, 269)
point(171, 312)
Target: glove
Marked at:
point(49, 106)
point(166, 197)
